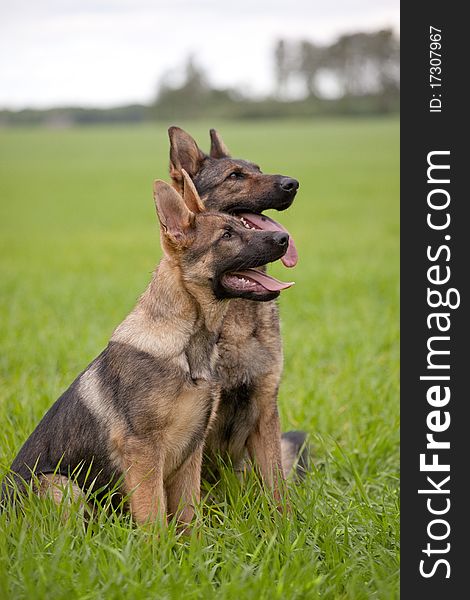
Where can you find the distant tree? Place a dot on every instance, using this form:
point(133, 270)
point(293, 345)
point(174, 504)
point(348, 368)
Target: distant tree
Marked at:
point(345, 58)
point(196, 82)
point(365, 63)
point(282, 68)
point(309, 64)
point(194, 89)
point(385, 49)
point(194, 97)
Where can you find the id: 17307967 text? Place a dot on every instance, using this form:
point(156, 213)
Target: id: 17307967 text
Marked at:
point(435, 69)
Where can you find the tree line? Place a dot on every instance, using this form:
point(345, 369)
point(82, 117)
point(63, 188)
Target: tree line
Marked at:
point(355, 65)
point(357, 74)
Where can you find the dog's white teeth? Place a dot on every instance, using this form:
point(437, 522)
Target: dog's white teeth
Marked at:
point(245, 223)
point(244, 281)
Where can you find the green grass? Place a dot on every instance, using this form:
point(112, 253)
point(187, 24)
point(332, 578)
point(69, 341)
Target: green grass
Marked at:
point(78, 242)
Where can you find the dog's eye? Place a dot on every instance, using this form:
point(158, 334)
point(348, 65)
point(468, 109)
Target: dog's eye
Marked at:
point(227, 235)
point(236, 175)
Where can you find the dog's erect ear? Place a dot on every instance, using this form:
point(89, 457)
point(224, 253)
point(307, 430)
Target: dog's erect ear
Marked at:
point(218, 148)
point(184, 154)
point(175, 217)
point(190, 195)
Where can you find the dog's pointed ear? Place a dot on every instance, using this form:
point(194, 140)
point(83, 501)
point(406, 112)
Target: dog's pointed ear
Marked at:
point(218, 148)
point(184, 154)
point(176, 220)
point(190, 195)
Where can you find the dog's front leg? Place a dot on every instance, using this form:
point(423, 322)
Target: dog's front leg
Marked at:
point(143, 481)
point(264, 448)
point(184, 488)
point(264, 441)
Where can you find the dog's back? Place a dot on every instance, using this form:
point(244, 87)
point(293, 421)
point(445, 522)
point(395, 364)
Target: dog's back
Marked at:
point(72, 439)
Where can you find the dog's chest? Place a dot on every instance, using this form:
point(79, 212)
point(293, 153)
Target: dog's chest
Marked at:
point(188, 423)
point(250, 342)
point(201, 355)
point(195, 404)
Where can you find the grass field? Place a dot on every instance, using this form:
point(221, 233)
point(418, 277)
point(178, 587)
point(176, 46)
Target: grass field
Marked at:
point(78, 243)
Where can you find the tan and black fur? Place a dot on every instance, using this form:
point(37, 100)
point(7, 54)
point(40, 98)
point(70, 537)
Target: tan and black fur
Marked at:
point(139, 414)
point(250, 358)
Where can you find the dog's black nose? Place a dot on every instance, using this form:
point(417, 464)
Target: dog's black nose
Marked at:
point(289, 185)
point(281, 239)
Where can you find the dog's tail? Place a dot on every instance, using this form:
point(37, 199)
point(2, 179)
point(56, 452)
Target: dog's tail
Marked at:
point(295, 454)
point(6, 493)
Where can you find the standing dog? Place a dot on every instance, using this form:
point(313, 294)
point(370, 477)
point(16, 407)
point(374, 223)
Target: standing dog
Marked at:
point(250, 350)
point(139, 414)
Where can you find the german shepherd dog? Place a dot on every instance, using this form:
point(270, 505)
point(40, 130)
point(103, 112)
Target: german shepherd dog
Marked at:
point(139, 414)
point(250, 351)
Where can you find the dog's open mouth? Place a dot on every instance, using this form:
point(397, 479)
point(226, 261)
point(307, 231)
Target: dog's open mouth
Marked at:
point(252, 280)
point(254, 221)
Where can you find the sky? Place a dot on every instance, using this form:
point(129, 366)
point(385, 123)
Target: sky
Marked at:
point(112, 52)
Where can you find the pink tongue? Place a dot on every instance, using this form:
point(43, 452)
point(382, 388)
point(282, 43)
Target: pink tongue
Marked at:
point(262, 222)
point(268, 282)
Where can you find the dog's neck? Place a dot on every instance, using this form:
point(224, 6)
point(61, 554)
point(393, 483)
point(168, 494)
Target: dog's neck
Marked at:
point(169, 296)
point(179, 325)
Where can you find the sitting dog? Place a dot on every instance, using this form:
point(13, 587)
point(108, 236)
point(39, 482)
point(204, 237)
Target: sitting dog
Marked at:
point(138, 415)
point(250, 347)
